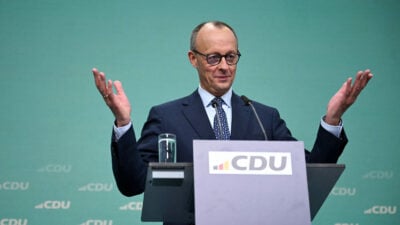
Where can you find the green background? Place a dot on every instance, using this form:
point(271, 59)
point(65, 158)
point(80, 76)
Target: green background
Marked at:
point(55, 128)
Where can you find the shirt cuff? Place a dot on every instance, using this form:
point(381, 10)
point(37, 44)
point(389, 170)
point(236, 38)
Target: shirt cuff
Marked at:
point(119, 131)
point(335, 130)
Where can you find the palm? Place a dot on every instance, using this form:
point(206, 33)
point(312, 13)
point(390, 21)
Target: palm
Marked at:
point(346, 96)
point(118, 102)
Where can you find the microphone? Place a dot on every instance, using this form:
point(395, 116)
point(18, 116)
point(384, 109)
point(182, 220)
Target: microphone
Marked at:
point(214, 104)
point(248, 102)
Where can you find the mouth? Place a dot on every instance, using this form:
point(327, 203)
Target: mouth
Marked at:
point(222, 76)
point(222, 79)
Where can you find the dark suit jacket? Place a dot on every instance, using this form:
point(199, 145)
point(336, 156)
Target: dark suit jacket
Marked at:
point(187, 118)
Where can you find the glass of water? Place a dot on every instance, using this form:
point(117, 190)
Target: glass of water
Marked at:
point(167, 148)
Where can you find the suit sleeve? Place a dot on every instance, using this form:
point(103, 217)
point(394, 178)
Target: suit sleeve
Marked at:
point(128, 168)
point(130, 158)
point(327, 147)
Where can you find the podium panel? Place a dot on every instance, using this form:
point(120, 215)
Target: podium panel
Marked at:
point(250, 182)
point(168, 196)
point(321, 179)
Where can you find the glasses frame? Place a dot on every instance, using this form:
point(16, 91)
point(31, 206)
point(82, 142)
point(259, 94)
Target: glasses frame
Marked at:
point(220, 57)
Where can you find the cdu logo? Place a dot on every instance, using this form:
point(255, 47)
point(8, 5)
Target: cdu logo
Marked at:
point(14, 186)
point(96, 187)
point(258, 163)
point(13, 221)
point(55, 168)
point(54, 205)
point(132, 206)
point(381, 210)
point(379, 175)
point(343, 191)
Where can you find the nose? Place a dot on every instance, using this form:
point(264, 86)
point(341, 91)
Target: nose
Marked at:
point(223, 64)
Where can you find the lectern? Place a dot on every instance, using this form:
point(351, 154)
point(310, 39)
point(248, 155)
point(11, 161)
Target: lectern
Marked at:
point(239, 182)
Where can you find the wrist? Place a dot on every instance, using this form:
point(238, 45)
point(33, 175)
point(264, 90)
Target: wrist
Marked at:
point(121, 123)
point(331, 120)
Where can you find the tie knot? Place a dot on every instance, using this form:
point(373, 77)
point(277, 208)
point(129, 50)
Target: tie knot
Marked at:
point(219, 101)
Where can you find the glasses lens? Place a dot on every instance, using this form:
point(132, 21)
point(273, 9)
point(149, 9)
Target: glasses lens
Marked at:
point(231, 58)
point(213, 59)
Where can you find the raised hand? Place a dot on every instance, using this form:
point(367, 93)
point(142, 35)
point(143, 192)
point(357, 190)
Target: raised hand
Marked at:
point(346, 96)
point(117, 102)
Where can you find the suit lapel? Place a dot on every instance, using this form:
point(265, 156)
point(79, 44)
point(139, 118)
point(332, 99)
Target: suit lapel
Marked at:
point(240, 118)
point(193, 106)
point(196, 116)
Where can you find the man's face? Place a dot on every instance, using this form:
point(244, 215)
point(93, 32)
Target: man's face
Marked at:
point(215, 79)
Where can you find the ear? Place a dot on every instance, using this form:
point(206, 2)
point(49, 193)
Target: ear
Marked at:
point(192, 59)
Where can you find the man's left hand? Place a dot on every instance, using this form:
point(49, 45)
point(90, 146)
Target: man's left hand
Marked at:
point(346, 96)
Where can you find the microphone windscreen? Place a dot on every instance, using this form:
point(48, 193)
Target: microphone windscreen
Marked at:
point(245, 99)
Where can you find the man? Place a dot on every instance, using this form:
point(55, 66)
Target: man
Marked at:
point(214, 54)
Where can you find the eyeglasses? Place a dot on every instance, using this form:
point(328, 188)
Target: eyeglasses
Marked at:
point(215, 58)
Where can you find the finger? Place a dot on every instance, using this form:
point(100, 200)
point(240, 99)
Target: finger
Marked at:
point(95, 71)
point(99, 78)
point(357, 86)
point(119, 88)
point(347, 86)
point(107, 93)
point(96, 74)
point(367, 77)
point(104, 86)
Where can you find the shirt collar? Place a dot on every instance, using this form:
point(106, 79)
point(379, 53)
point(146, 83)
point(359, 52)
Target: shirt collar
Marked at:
point(207, 97)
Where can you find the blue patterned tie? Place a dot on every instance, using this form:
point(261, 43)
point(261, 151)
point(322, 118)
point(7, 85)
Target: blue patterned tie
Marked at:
point(221, 128)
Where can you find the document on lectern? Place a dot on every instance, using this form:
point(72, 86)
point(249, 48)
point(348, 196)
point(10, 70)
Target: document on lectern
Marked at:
point(250, 182)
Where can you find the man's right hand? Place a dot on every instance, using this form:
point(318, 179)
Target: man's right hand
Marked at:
point(117, 102)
